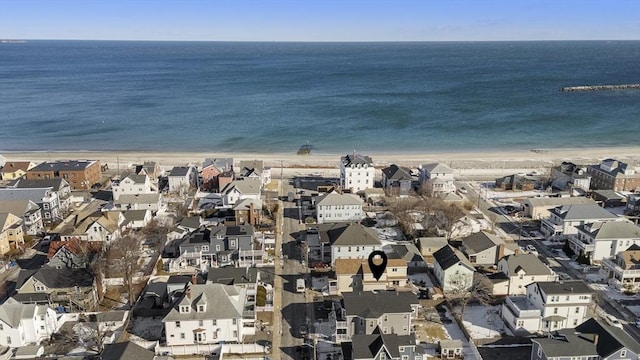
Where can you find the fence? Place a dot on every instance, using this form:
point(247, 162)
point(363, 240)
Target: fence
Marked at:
point(252, 351)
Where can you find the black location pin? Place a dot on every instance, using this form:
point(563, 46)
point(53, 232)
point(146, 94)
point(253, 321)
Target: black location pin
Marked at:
point(377, 263)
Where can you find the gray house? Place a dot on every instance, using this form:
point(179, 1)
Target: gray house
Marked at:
point(589, 340)
point(379, 346)
point(363, 313)
point(397, 180)
point(482, 249)
point(220, 246)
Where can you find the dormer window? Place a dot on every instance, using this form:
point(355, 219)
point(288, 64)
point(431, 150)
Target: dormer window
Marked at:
point(185, 309)
point(201, 308)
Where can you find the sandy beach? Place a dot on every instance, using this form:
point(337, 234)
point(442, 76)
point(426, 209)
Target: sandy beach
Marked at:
point(519, 159)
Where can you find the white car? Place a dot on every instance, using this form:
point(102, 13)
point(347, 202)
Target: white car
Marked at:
point(463, 190)
point(613, 321)
point(532, 248)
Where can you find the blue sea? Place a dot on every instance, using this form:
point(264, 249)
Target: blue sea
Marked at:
point(275, 97)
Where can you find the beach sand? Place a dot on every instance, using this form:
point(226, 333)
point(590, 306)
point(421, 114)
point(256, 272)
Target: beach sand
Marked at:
point(460, 161)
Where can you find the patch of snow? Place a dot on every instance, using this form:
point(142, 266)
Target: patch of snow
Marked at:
point(147, 328)
point(420, 277)
point(594, 278)
point(484, 322)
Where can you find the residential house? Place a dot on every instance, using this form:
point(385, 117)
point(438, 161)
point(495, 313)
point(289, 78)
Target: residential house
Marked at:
point(484, 249)
point(335, 207)
point(548, 306)
point(69, 257)
point(255, 169)
point(219, 246)
point(540, 207)
point(138, 202)
point(633, 204)
point(569, 175)
point(135, 219)
point(149, 168)
point(15, 169)
point(248, 211)
point(452, 270)
point(80, 174)
point(565, 220)
point(131, 185)
point(209, 314)
point(101, 227)
point(46, 198)
point(25, 324)
point(522, 270)
point(615, 175)
point(378, 346)
point(126, 350)
point(409, 253)
point(592, 339)
point(437, 179)
point(245, 188)
point(397, 180)
point(73, 289)
point(59, 186)
point(516, 182)
point(429, 245)
point(450, 349)
point(623, 270)
point(608, 198)
point(181, 179)
point(601, 240)
point(348, 241)
point(318, 248)
point(211, 169)
point(362, 313)
point(356, 172)
point(354, 275)
point(11, 233)
point(29, 212)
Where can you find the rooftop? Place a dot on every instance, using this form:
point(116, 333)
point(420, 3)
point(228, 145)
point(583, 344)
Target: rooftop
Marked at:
point(64, 165)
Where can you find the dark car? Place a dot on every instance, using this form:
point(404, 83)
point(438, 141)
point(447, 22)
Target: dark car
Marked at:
point(445, 320)
point(96, 186)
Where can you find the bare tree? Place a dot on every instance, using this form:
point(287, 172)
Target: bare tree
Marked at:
point(125, 258)
point(449, 216)
point(465, 288)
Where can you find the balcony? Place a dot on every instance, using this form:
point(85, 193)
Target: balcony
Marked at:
point(581, 245)
point(611, 265)
point(521, 307)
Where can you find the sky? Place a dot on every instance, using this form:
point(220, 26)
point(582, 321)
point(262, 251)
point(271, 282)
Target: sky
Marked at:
point(321, 20)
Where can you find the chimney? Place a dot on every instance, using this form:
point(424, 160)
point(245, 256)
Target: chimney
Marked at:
point(252, 218)
point(188, 293)
point(501, 251)
point(194, 278)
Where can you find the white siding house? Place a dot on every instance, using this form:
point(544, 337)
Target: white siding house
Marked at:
point(132, 185)
point(452, 270)
point(25, 324)
point(601, 240)
point(438, 178)
point(523, 270)
point(334, 207)
point(356, 172)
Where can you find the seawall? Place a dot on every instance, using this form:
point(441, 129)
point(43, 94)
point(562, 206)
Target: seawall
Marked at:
point(601, 87)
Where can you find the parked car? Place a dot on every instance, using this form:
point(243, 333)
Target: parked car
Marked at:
point(532, 248)
point(638, 323)
point(463, 189)
point(564, 276)
point(613, 321)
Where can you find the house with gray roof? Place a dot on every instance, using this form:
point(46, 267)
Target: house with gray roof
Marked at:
point(135, 219)
point(437, 179)
point(364, 313)
point(27, 210)
point(244, 188)
point(126, 350)
point(548, 306)
point(58, 185)
point(407, 252)
point(540, 207)
point(356, 172)
point(483, 248)
point(25, 324)
point(209, 314)
point(602, 240)
point(131, 185)
point(452, 270)
point(592, 339)
point(623, 270)
point(564, 220)
point(612, 174)
point(254, 169)
point(71, 288)
point(522, 270)
point(336, 207)
point(348, 241)
point(45, 198)
point(181, 178)
point(379, 346)
point(397, 180)
point(429, 245)
point(138, 202)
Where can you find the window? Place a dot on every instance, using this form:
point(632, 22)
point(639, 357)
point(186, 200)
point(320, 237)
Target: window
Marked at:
point(200, 308)
point(235, 333)
point(234, 321)
point(182, 336)
point(539, 351)
point(205, 247)
point(623, 353)
point(215, 322)
point(200, 322)
point(178, 324)
point(555, 310)
point(577, 310)
point(1, 327)
point(8, 340)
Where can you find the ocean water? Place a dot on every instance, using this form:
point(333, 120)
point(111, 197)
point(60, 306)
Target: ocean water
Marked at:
point(274, 97)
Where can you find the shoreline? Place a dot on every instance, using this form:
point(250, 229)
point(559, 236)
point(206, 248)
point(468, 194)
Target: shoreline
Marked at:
point(463, 159)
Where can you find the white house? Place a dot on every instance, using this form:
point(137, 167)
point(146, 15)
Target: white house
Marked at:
point(334, 207)
point(452, 270)
point(131, 185)
point(356, 172)
point(24, 324)
point(623, 270)
point(350, 241)
point(244, 188)
point(437, 178)
point(548, 306)
point(135, 219)
point(138, 202)
point(181, 178)
point(523, 270)
point(564, 220)
point(209, 314)
point(601, 240)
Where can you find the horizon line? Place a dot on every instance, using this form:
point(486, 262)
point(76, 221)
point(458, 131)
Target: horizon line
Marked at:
point(322, 41)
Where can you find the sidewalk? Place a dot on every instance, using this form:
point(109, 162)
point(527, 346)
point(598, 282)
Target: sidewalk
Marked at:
point(276, 329)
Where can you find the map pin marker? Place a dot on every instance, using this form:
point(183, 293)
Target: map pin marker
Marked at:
point(377, 263)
